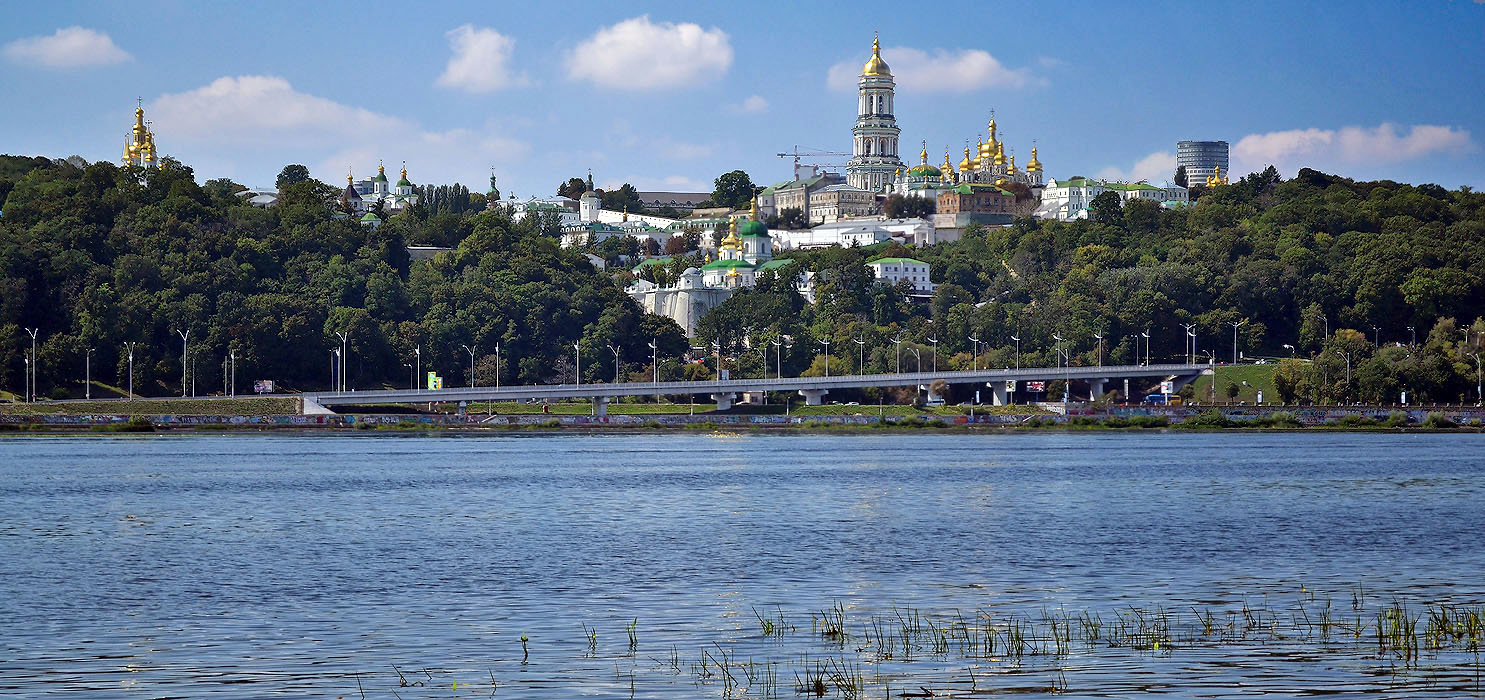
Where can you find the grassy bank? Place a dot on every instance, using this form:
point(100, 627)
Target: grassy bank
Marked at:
point(245, 406)
point(1250, 379)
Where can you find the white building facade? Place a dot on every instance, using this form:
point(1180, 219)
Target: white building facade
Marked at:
point(894, 270)
point(874, 163)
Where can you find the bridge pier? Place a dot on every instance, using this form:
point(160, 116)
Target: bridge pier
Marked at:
point(600, 405)
point(724, 401)
point(812, 396)
point(999, 396)
point(1096, 388)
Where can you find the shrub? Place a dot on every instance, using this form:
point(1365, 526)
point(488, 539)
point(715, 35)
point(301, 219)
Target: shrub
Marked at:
point(1212, 418)
point(1356, 422)
point(1437, 419)
point(1396, 419)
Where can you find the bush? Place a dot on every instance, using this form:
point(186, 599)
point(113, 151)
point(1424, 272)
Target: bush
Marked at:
point(1280, 419)
point(1437, 419)
point(1356, 422)
point(57, 394)
point(1396, 419)
point(1212, 418)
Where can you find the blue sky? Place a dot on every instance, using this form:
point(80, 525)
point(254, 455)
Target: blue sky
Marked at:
point(668, 95)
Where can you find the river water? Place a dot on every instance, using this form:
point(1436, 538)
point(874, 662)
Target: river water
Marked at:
point(343, 567)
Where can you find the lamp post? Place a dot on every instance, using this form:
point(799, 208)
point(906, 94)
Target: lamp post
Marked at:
point(655, 359)
point(615, 351)
point(1190, 342)
point(344, 353)
point(1235, 326)
point(412, 379)
point(1018, 350)
point(1099, 338)
point(469, 350)
point(1290, 348)
point(826, 343)
point(1376, 337)
point(717, 345)
point(233, 354)
point(1479, 385)
point(1413, 337)
point(184, 338)
point(1058, 338)
point(975, 357)
point(935, 354)
point(1146, 336)
point(418, 369)
point(88, 375)
point(778, 358)
point(334, 367)
point(31, 366)
point(918, 356)
point(129, 346)
point(26, 392)
point(1326, 321)
point(577, 352)
point(897, 357)
point(860, 354)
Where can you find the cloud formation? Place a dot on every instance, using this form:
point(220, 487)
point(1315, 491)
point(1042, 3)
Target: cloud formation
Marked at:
point(754, 104)
point(244, 115)
point(640, 54)
point(480, 62)
point(70, 47)
point(1386, 143)
point(939, 70)
point(1156, 168)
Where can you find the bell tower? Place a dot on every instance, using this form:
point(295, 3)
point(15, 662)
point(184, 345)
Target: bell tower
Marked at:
point(874, 163)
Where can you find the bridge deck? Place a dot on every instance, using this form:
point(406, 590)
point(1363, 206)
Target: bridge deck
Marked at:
point(734, 386)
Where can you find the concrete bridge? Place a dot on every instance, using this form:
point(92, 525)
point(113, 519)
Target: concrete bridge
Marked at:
point(813, 389)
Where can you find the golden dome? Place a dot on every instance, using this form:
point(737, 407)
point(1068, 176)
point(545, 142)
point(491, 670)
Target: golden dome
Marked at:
point(999, 154)
point(948, 164)
point(876, 66)
point(966, 164)
point(1010, 167)
point(1033, 165)
point(923, 155)
point(991, 126)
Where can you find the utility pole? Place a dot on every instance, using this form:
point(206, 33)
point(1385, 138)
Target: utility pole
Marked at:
point(471, 364)
point(860, 354)
point(1190, 342)
point(31, 366)
point(826, 343)
point(934, 340)
point(343, 353)
point(1099, 338)
point(975, 358)
point(1018, 350)
point(88, 375)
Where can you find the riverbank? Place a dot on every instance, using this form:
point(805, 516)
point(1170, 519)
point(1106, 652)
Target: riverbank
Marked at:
point(1076, 418)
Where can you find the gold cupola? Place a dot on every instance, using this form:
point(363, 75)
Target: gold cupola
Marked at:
point(876, 66)
point(999, 158)
point(1033, 165)
point(966, 164)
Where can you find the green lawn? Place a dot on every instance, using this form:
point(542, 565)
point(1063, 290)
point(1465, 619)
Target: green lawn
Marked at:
point(247, 406)
point(1258, 377)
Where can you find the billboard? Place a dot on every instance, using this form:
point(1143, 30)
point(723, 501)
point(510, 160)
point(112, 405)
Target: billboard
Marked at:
point(435, 381)
point(1010, 385)
point(1167, 387)
point(264, 386)
point(1036, 387)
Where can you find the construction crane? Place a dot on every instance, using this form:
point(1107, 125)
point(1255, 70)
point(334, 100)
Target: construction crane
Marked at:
point(812, 154)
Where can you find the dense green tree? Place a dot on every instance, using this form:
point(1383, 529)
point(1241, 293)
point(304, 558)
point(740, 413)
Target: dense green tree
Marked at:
point(733, 190)
point(900, 207)
point(573, 188)
point(291, 175)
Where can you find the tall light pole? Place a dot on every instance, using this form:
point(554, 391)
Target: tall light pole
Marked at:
point(615, 351)
point(655, 359)
point(344, 352)
point(1291, 349)
point(233, 354)
point(129, 346)
point(860, 354)
point(1235, 326)
point(1376, 337)
point(1099, 338)
point(418, 368)
point(26, 392)
point(1413, 337)
point(1326, 321)
point(1190, 342)
point(717, 345)
point(918, 356)
point(1058, 338)
point(334, 367)
point(1146, 335)
point(577, 352)
point(975, 357)
point(412, 380)
point(31, 366)
point(470, 350)
point(935, 354)
point(184, 338)
point(88, 375)
point(497, 366)
point(826, 343)
point(897, 366)
point(1018, 350)
point(778, 358)
point(1479, 385)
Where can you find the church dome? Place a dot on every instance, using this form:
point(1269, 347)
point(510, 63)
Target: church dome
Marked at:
point(752, 229)
point(924, 171)
point(876, 66)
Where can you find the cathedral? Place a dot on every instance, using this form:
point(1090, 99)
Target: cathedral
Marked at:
point(876, 167)
point(139, 144)
point(359, 197)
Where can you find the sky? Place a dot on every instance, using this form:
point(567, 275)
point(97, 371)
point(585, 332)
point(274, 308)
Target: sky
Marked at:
point(668, 95)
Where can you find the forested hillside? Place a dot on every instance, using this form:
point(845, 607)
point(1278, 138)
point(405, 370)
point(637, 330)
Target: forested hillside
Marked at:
point(99, 256)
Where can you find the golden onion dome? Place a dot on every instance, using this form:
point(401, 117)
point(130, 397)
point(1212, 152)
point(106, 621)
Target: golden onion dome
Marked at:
point(876, 66)
point(999, 154)
point(1033, 165)
point(966, 164)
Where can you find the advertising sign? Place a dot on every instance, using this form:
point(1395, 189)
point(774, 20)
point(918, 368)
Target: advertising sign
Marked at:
point(435, 381)
point(1167, 387)
point(1010, 385)
point(1036, 387)
point(263, 386)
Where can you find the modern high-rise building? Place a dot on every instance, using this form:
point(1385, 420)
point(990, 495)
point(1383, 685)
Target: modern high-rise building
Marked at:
point(1202, 160)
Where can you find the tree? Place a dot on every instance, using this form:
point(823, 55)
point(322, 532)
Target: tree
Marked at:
point(625, 198)
point(573, 188)
point(1107, 209)
point(733, 190)
point(291, 175)
point(1180, 178)
point(792, 219)
point(1231, 390)
point(900, 207)
point(1289, 377)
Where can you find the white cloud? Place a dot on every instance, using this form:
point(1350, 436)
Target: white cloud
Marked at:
point(941, 70)
point(755, 104)
point(640, 54)
point(71, 47)
point(481, 61)
point(1155, 168)
point(240, 117)
point(1348, 146)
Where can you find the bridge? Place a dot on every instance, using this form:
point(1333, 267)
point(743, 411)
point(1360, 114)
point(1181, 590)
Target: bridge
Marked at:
point(725, 392)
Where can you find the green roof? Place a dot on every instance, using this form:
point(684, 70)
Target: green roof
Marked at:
point(970, 187)
point(404, 183)
point(726, 264)
point(651, 262)
point(752, 229)
point(1078, 182)
point(370, 217)
point(896, 261)
point(774, 264)
point(925, 171)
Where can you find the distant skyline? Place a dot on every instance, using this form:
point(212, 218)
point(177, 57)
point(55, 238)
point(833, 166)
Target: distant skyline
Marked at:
point(668, 95)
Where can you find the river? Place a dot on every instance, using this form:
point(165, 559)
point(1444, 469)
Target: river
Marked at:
point(743, 565)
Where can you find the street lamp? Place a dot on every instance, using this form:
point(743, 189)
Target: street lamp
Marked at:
point(1099, 338)
point(334, 367)
point(129, 345)
point(577, 352)
point(655, 359)
point(1326, 321)
point(233, 354)
point(1291, 349)
point(826, 343)
point(26, 392)
point(917, 355)
point(343, 354)
point(1479, 397)
point(935, 354)
point(975, 359)
point(1235, 326)
point(897, 358)
point(184, 336)
point(717, 345)
point(1190, 342)
point(1413, 335)
point(1018, 350)
point(412, 379)
point(615, 351)
point(467, 349)
point(1058, 338)
point(1376, 337)
point(1146, 335)
point(860, 354)
point(31, 365)
point(778, 357)
point(88, 375)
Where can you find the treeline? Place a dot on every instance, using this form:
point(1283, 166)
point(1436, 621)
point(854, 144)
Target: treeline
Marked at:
point(100, 256)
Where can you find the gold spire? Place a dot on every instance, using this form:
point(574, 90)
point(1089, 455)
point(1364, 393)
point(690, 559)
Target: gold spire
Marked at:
point(876, 66)
point(1010, 167)
point(948, 164)
point(349, 178)
point(1033, 165)
point(404, 170)
point(965, 164)
point(626, 213)
point(923, 156)
point(380, 170)
point(753, 212)
point(999, 154)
